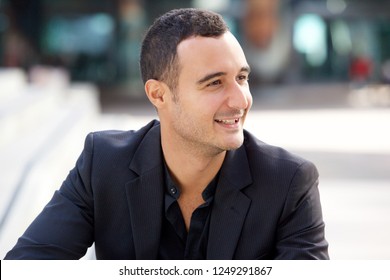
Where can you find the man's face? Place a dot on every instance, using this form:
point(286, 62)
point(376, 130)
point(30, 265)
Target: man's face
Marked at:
point(212, 96)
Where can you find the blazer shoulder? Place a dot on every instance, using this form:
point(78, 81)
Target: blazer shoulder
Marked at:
point(262, 154)
point(118, 139)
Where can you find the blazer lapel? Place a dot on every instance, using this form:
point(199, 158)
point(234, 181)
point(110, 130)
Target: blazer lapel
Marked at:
point(145, 196)
point(230, 206)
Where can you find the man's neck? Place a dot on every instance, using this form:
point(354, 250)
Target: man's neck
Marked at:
point(191, 170)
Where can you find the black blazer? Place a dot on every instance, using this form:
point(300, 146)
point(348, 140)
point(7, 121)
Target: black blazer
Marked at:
point(266, 205)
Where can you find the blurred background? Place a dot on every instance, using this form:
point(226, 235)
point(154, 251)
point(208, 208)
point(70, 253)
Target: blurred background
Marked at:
point(320, 82)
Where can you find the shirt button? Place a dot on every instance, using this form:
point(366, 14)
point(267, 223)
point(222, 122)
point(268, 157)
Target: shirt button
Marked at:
point(173, 190)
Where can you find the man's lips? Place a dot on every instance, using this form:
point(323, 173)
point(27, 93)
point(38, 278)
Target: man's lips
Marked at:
point(228, 121)
point(230, 118)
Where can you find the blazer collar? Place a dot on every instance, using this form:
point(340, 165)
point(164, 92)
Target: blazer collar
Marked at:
point(145, 195)
point(149, 153)
point(230, 206)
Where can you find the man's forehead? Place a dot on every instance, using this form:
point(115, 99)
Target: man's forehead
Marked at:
point(198, 45)
point(198, 38)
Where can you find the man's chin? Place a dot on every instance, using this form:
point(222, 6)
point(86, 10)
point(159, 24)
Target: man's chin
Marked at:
point(234, 145)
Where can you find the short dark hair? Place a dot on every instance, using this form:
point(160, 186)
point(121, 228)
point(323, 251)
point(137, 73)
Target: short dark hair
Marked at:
point(158, 59)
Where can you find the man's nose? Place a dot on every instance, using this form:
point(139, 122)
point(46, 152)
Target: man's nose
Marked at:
point(239, 97)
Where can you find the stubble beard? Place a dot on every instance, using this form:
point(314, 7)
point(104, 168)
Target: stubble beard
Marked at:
point(195, 138)
point(198, 142)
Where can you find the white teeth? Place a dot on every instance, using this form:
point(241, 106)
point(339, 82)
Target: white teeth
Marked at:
point(228, 121)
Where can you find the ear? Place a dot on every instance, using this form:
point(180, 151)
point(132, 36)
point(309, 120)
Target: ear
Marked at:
point(155, 91)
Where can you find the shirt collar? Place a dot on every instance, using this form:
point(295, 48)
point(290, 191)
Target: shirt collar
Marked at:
point(174, 191)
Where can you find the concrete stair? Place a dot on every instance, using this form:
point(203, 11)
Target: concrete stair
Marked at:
point(43, 123)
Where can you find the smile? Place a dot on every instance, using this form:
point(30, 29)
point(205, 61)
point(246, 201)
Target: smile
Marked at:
point(228, 122)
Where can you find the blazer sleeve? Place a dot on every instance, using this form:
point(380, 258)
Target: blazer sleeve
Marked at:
point(64, 228)
point(300, 233)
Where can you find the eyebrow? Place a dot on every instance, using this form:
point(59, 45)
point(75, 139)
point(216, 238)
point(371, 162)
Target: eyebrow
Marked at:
point(218, 74)
point(246, 69)
point(210, 76)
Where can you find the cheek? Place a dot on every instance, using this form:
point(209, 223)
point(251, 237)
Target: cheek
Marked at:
point(206, 106)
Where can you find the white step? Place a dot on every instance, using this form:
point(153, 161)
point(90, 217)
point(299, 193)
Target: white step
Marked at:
point(36, 163)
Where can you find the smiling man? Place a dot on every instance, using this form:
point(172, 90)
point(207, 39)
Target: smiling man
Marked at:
point(194, 185)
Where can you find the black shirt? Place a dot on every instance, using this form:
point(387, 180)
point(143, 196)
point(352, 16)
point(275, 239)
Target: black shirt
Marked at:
point(176, 243)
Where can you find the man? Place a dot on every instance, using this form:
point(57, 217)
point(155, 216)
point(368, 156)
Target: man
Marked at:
point(194, 185)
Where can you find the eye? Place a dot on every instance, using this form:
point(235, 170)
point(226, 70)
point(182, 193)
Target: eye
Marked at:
point(243, 78)
point(214, 83)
